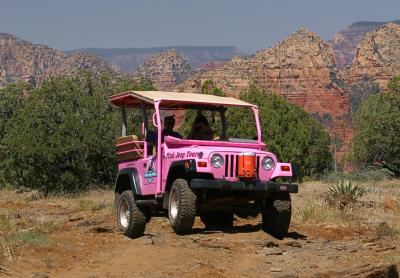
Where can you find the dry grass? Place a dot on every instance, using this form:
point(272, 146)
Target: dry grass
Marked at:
point(27, 222)
point(7, 232)
point(371, 211)
point(22, 227)
point(18, 233)
point(96, 201)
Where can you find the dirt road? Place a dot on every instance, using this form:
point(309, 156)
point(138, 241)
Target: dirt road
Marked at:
point(87, 244)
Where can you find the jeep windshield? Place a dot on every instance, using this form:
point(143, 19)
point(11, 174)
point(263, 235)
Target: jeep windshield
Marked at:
point(232, 124)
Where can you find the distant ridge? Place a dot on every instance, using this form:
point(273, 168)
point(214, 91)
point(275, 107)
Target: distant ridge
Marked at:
point(128, 59)
point(346, 41)
point(372, 23)
point(23, 60)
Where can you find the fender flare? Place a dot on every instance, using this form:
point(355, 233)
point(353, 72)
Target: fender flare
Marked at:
point(133, 177)
point(181, 164)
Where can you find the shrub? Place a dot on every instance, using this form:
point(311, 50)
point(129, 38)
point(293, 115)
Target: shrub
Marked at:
point(289, 131)
point(367, 174)
point(346, 187)
point(62, 139)
point(385, 230)
point(377, 131)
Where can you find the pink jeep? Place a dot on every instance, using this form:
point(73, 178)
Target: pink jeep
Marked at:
point(213, 179)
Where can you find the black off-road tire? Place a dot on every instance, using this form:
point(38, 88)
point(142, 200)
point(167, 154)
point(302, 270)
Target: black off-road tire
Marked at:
point(217, 219)
point(277, 215)
point(116, 202)
point(133, 223)
point(181, 207)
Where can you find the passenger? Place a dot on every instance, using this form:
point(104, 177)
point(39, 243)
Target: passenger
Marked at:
point(151, 139)
point(151, 136)
point(206, 133)
point(169, 123)
point(201, 129)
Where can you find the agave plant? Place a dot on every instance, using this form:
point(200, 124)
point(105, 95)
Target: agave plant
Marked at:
point(347, 187)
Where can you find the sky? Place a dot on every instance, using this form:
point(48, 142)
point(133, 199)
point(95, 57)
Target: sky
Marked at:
point(249, 25)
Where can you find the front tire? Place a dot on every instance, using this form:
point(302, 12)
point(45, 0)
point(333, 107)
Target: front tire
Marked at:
point(131, 220)
point(277, 215)
point(182, 206)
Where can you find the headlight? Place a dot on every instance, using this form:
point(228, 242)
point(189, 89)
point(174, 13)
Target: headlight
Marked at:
point(217, 161)
point(267, 163)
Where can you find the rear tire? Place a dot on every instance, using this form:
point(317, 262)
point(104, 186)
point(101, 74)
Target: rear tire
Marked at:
point(182, 206)
point(276, 219)
point(217, 219)
point(131, 219)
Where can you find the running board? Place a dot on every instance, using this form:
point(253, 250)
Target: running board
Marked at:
point(146, 202)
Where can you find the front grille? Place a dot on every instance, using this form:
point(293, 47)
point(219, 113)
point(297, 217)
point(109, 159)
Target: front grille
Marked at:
point(231, 165)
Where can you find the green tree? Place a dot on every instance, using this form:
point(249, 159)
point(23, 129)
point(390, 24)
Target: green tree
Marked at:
point(394, 85)
point(360, 91)
point(63, 137)
point(377, 131)
point(208, 88)
point(11, 99)
point(289, 132)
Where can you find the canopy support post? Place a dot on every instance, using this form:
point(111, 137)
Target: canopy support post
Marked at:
point(123, 122)
point(224, 125)
point(144, 119)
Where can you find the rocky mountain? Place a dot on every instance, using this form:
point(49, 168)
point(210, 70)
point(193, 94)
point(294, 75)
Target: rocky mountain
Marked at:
point(128, 59)
point(377, 58)
point(345, 42)
point(22, 60)
point(166, 69)
point(301, 68)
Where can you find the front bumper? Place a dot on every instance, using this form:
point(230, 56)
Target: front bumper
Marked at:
point(244, 186)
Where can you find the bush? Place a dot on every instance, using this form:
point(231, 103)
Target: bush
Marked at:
point(207, 88)
point(62, 139)
point(12, 98)
point(377, 132)
point(289, 132)
point(367, 174)
point(383, 230)
point(346, 187)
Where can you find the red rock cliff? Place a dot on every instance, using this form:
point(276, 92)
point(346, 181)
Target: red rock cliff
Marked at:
point(22, 60)
point(166, 69)
point(378, 57)
point(301, 68)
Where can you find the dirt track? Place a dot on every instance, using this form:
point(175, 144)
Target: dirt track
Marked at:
point(88, 245)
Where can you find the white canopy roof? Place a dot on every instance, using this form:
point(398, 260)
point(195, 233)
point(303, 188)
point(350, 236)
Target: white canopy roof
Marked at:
point(173, 100)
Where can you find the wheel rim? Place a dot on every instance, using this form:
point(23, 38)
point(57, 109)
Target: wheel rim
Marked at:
point(124, 214)
point(174, 203)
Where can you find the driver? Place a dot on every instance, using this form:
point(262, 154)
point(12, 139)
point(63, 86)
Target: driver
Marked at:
point(201, 129)
point(169, 123)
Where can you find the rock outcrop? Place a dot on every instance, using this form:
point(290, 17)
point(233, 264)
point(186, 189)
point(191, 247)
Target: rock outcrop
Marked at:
point(377, 58)
point(22, 60)
point(128, 59)
point(301, 68)
point(166, 69)
point(212, 65)
point(345, 42)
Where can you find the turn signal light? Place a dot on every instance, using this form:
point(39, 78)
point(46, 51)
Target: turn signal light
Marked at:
point(285, 168)
point(187, 165)
point(201, 164)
